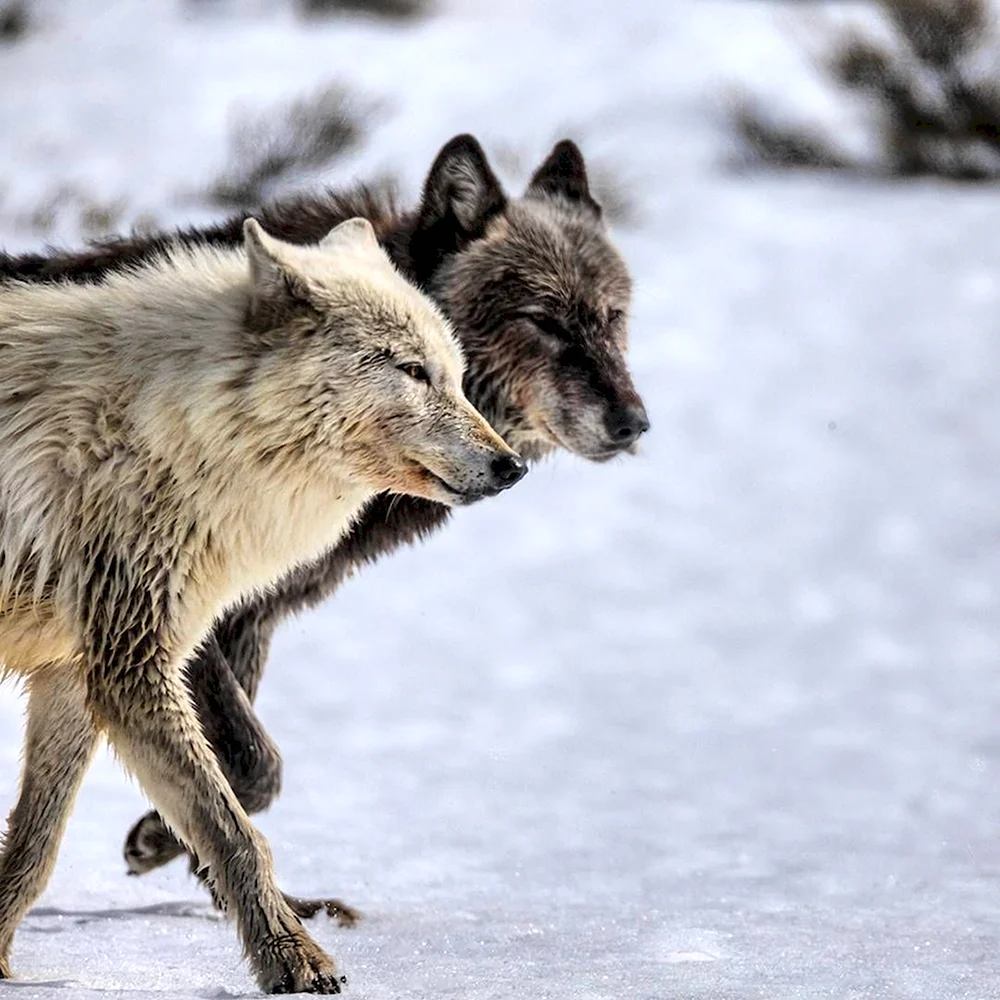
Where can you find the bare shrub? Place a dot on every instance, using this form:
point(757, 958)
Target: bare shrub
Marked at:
point(766, 141)
point(394, 9)
point(14, 21)
point(68, 207)
point(101, 218)
point(932, 106)
point(284, 143)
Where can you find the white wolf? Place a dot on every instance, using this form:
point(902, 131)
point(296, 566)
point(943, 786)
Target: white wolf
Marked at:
point(171, 439)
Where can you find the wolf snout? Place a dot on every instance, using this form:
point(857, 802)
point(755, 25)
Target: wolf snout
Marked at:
point(492, 473)
point(507, 470)
point(625, 424)
point(484, 472)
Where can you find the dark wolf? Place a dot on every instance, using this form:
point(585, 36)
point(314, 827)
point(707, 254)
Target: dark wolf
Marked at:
point(539, 299)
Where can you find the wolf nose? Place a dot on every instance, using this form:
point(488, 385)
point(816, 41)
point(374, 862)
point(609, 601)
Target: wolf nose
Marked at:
point(507, 470)
point(624, 424)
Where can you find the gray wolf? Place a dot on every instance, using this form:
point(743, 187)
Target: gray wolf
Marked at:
point(539, 298)
point(172, 439)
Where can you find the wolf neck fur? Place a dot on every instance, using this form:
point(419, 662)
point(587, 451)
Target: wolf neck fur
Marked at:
point(146, 383)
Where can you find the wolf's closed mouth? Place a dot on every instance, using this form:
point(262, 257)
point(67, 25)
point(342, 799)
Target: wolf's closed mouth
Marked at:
point(466, 497)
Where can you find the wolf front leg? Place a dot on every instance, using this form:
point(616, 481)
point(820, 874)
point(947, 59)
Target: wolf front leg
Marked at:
point(137, 691)
point(59, 745)
point(248, 756)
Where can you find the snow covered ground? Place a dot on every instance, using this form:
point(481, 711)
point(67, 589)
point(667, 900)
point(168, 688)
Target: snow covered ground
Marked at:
point(721, 721)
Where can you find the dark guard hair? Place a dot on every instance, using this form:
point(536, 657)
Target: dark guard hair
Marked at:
point(539, 298)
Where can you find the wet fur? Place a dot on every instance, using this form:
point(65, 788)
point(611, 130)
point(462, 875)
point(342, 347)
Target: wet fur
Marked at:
point(539, 299)
point(172, 439)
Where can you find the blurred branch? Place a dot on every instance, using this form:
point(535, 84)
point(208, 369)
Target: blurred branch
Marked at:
point(396, 9)
point(14, 21)
point(932, 109)
point(768, 143)
point(267, 148)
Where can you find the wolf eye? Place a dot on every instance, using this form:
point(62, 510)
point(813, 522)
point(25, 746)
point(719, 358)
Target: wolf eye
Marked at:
point(418, 372)
point(550, 326)
point(615, 316)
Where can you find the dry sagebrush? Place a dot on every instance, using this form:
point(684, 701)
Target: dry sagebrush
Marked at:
point(928, 76)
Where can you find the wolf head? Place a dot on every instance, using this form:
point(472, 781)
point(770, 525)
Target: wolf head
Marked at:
point(539, 297)
point(374, 377)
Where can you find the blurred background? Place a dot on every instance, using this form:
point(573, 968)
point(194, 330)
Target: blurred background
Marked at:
point(716, 721)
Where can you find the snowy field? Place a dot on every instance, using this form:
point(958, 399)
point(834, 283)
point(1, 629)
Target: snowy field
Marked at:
point(721, 721)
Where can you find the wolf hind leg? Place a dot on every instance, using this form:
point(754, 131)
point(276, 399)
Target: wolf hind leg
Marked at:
point(224, 680)
point(59, 744)
point(335, 909)
point(151, 844)
point(250, 761)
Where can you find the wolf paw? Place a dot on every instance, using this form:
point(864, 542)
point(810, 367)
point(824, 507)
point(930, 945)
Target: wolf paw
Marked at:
point(291, 965)
point(150, 845)
point(321, 982)
point(5, 972)
point(336, 909)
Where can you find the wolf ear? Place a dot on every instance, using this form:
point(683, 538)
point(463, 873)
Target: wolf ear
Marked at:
point(462, 185)
point(354, 232)
point(564, 174)
point(461, 195)
point(276, 286)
